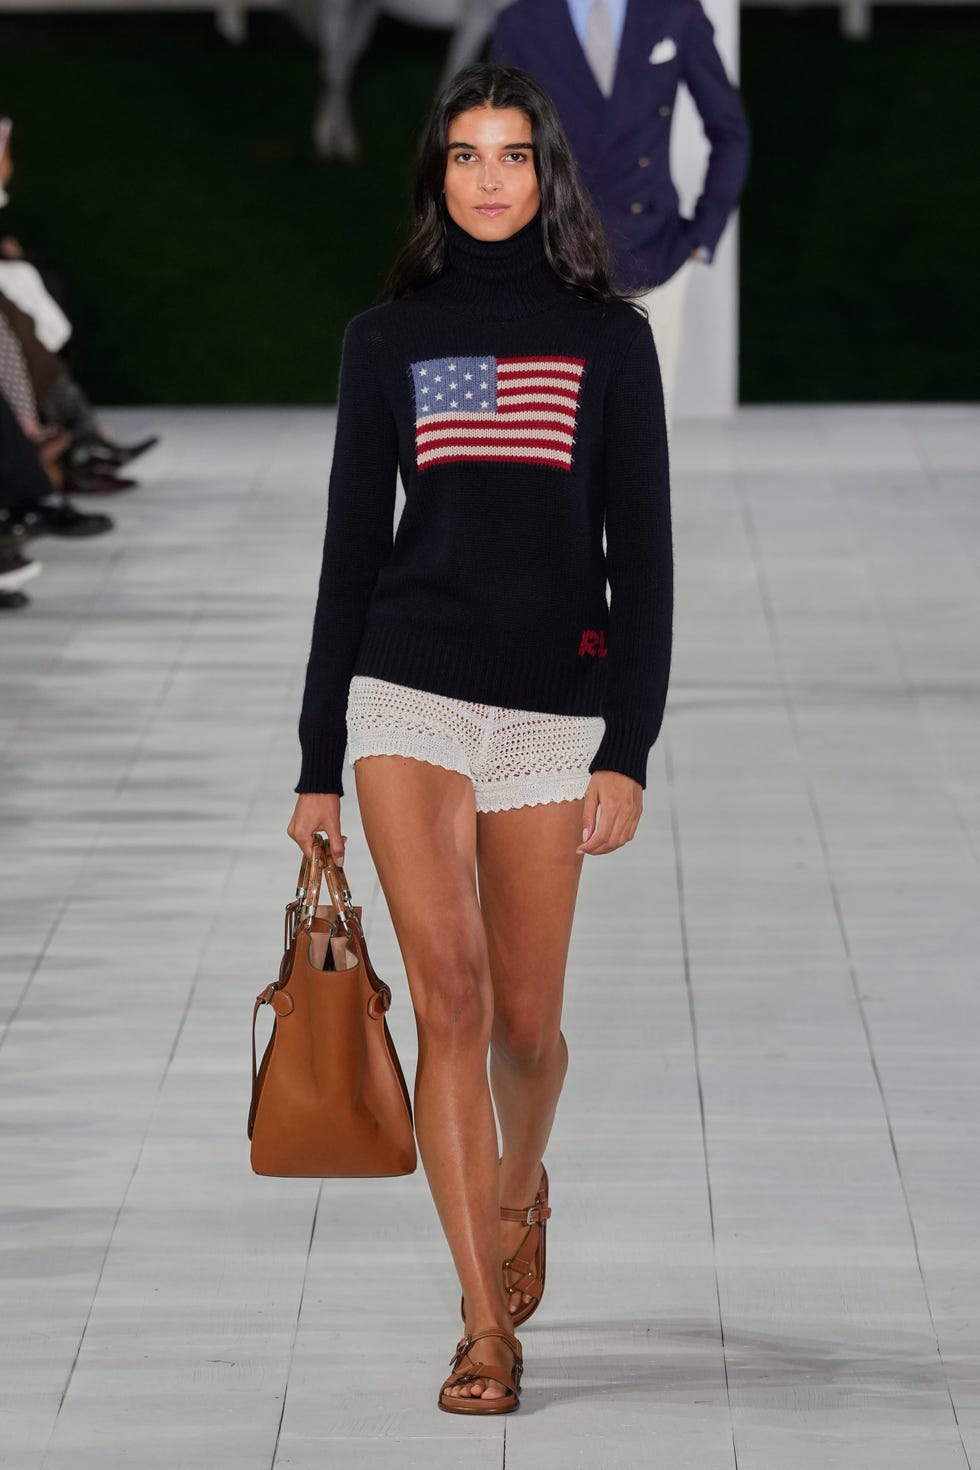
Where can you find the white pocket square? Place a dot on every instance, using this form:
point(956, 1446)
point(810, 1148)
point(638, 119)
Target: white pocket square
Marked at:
point(663, 51)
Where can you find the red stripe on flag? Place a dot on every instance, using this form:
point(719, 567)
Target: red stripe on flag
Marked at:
point(456, 458)
point(550, 357)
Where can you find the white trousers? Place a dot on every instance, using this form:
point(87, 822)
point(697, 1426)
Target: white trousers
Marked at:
point(666, 307)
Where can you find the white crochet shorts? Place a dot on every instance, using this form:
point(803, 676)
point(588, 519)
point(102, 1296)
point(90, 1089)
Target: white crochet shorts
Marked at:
point(514, 757)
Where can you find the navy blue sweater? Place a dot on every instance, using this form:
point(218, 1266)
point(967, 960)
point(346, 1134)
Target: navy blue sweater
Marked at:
point(525, 421)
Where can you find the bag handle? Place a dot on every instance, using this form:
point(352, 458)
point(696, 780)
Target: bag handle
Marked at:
point(313, 870)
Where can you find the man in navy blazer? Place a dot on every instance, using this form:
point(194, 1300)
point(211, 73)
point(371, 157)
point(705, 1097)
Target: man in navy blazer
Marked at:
point(618, 117)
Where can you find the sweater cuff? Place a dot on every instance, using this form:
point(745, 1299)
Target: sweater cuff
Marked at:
point(323, 763)
point(624, 747)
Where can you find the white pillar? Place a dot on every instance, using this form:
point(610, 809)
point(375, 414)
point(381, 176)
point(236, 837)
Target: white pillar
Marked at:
point(707, 375)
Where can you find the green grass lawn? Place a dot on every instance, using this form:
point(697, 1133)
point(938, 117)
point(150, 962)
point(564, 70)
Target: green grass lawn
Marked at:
point(209, 257)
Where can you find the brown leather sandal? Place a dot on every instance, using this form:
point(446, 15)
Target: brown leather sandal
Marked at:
point(528, 1271)
point(467, 1369)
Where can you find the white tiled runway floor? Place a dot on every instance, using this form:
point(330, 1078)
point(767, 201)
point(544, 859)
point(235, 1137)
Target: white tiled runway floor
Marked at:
point(765, 1251)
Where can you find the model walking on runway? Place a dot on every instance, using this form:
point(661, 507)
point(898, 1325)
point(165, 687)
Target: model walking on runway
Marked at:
point(498, 710)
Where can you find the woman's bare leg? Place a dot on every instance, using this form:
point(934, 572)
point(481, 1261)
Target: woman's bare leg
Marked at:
point(420, 825)
point(529, 874)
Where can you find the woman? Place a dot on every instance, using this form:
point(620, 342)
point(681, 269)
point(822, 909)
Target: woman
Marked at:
point(498, 713)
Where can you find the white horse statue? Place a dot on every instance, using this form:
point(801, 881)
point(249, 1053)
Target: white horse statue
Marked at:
point(345, 30)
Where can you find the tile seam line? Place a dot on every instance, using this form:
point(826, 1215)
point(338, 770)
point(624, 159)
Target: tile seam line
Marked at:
point(192, 988)
point(296, 1326)
point(772, 627)
point(692, 1016)
point(39, 958)
point(146, 724)
point(150, 713)
point(56, 658)
point(251, 488)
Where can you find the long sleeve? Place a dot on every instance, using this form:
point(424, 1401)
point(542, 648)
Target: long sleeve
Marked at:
point(358, 542)
point(639, 560)
point(726, 128)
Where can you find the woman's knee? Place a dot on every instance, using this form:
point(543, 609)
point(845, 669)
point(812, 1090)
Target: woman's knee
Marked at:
point(526, 1040)
point(451, 992)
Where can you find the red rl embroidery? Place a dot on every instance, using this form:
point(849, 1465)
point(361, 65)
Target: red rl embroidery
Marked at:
point(593, 644)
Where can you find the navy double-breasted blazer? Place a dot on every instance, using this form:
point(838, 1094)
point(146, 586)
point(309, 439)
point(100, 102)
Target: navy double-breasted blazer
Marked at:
point(622, 142)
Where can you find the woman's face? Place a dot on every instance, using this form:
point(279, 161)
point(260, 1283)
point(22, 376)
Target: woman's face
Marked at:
point(491, 186)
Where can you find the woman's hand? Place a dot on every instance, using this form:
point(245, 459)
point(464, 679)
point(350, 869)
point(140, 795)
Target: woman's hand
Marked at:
point(316, 812)
point(619, 801)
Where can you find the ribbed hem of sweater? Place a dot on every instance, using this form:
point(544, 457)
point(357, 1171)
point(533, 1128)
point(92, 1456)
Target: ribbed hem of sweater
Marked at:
point(625, 747)
point(467, 669)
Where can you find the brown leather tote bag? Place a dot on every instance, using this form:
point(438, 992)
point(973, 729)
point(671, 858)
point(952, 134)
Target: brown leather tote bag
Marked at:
point(329, 1099)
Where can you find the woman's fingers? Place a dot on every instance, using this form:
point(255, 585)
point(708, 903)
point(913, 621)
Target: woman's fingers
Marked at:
point(620, 806)
point(590, 812)
point(336, 844)
point(313, 813)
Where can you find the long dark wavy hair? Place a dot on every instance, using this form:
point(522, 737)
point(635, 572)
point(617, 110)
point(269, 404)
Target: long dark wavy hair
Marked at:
point(575, 241)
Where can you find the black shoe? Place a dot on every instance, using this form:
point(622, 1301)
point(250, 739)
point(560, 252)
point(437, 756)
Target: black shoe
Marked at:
point(16, 569)
point(126, 453)
point(60, 518)
point(10, 601)
point(89, 454)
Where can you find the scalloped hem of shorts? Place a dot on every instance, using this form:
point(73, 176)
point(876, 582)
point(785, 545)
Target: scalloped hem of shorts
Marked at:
point(540, 793)
point(384, 745)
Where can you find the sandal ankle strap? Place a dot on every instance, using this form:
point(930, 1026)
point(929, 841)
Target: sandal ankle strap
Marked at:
point(465, 1343)
point(534, 1214)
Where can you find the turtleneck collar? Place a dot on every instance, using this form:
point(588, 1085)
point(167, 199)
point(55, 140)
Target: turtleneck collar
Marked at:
point(497, 280)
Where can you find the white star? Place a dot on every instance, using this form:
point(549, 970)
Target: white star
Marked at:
point(425, 388)
point(469, 395)
point(483, 386)
point(484, 366)
point(438, 378)
point(467, 375)
point(452, 385)
point(438, 395)
point(425, 408)
point(423, 371)
point(453, 403)
point(484, 404)
point(452, 367)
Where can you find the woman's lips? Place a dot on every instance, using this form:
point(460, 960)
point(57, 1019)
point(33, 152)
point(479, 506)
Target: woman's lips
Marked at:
point(492, 209)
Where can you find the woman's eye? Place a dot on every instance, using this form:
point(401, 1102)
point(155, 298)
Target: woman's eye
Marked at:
point(461, 157)
point(521, 157)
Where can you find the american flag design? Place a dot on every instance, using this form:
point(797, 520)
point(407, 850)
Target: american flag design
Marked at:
point(521, 410)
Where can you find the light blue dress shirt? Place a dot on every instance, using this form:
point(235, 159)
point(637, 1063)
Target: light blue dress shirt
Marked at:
point(579, 9)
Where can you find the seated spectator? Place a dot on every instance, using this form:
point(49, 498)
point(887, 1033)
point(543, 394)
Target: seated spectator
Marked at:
point(43, 329)
point(31, 505)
